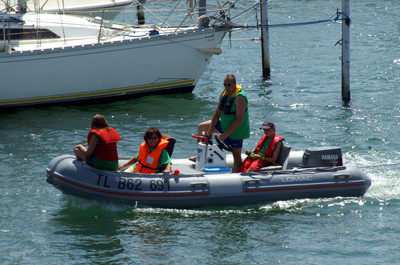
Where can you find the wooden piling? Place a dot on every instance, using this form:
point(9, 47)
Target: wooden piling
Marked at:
point(346, 50)
point(265, 40)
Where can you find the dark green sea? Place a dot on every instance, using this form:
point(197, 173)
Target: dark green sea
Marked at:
point(40, 225)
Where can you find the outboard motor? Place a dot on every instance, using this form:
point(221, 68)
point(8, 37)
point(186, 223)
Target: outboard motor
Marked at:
point(326, 156)
point(209, 155)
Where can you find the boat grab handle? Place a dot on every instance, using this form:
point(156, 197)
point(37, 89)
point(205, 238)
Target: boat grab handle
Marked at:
point(199, 184)
point(251, 181)
point(342, 176)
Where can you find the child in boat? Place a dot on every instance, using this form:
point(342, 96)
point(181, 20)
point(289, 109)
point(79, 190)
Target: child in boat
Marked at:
point(266, 152)
point(153, 154)
point(102, 145)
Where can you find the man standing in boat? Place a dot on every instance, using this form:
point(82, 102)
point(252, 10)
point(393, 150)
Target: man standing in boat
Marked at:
point(266, 152)
point(231, 119)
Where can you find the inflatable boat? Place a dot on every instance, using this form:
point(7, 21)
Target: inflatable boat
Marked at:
point(313, 173)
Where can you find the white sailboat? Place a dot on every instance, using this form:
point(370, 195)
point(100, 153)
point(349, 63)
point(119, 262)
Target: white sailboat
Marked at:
point(86, 7)
point(51, 58)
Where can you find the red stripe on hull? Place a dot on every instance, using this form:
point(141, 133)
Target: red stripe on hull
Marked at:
point(305, 188)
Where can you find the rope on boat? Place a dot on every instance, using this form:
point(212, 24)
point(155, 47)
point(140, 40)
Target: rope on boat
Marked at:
point(221, 15)
point(252, 39)
point(338, 17)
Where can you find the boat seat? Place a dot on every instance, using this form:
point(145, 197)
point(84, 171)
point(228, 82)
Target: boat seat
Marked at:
point(171, 144)
point(281, 163)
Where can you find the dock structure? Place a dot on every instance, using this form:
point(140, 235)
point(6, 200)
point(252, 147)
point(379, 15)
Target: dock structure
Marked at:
point(345, 42)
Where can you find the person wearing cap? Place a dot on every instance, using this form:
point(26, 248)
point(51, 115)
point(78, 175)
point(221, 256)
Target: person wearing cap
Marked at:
point(266, 152)
point(230, 119)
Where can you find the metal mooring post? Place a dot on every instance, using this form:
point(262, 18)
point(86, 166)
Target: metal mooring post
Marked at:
point(265, 40)
point(346, 51)
point(140, 12)
point(202, 7)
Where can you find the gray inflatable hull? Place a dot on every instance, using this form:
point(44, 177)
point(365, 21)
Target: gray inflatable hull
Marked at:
point(191, 188)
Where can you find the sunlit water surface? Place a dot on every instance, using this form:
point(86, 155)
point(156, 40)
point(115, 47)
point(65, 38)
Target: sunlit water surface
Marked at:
point(40, 225)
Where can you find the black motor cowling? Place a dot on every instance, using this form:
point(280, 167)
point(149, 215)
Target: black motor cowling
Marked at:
point(326, 156)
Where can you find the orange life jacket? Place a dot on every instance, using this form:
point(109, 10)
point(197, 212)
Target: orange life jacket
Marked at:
point(148, 161)
point(107, 149)
point(271, 146)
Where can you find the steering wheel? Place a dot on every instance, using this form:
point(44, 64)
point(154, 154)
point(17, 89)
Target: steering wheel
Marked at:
point(222, 145)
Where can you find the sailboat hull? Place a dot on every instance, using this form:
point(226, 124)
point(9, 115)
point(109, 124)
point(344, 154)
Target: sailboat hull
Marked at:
point(109, 9)
point(119, 67)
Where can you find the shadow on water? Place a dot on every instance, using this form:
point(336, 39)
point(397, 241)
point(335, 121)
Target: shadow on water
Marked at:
point(108, 100)
point(105, 104)
point(101, 230)
point(264, 88)
point(109, 232)
point(171, 108)
point(346, 104)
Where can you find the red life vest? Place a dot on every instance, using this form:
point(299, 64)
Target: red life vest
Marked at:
point(107, 149)
point(271, 146)
point(148, 161)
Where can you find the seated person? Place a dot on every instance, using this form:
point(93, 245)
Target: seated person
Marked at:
point(153, 154)
point(266, 152)
point(102, 145)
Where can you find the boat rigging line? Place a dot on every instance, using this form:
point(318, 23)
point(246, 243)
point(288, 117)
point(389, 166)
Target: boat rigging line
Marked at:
point(333, 19)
